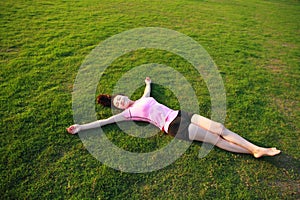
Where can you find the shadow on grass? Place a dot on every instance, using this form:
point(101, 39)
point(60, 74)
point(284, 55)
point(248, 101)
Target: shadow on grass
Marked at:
point(285, 161)
point(282, 160)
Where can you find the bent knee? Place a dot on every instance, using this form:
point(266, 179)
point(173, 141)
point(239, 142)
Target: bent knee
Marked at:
point(217, 128)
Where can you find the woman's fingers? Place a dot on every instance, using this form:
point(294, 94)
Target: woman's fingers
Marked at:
point(147, 80)
point(72, 129)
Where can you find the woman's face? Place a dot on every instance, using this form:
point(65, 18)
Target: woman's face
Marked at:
point(121, 102)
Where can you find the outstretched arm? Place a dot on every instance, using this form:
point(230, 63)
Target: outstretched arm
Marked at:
point(96, 124)
point(147, 90)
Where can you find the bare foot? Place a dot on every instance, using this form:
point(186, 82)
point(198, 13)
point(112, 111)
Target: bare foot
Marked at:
point(265, 152)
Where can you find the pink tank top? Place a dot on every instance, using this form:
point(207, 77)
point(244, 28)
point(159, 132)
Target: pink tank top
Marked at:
point(149, 110)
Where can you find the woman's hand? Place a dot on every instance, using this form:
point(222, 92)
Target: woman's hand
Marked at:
point(147, 80)
point(73, 129)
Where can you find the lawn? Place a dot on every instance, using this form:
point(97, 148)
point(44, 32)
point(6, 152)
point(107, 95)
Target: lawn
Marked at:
point(255, 45)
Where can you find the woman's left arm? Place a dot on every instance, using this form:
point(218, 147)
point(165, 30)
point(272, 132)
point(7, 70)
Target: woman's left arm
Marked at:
point(147, 90)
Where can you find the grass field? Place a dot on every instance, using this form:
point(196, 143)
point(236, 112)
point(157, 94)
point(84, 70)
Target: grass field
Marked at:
point(255, 45)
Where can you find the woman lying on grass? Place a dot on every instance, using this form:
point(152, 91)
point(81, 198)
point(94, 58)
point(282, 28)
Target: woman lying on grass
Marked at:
point(183, 125)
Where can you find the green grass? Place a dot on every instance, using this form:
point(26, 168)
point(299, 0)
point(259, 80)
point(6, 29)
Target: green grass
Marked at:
point(255, 45)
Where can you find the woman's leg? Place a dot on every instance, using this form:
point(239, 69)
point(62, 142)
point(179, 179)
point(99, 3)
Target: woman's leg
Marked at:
point(256, 150)
point(199, 134)
point(232, 137)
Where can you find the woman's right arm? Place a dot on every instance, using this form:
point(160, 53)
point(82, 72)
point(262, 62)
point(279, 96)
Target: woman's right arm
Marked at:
point(96, 124)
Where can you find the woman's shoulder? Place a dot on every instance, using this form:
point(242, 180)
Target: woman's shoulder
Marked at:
point(146, 99)
point(143, 101)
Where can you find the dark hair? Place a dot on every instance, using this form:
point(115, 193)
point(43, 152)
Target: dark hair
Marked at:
point(105, 100)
